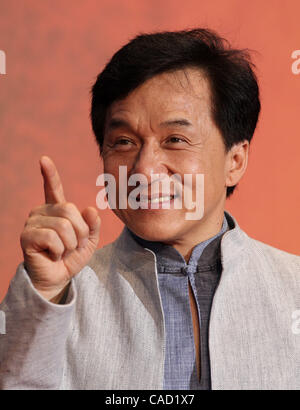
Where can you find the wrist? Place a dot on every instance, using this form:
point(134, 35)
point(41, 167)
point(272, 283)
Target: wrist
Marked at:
point(53, 295)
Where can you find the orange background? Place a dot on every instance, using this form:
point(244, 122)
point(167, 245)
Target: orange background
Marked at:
point(55, 49)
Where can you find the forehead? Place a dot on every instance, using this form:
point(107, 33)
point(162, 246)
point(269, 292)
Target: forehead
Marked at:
point(185, 91)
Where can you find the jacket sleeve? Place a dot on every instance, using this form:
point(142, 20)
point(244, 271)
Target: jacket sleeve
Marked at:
point(33, 347)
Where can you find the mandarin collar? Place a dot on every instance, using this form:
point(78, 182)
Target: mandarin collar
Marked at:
point(170, 259)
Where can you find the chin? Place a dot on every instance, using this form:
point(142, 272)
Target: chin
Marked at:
point(153, 226)
point(158, 232)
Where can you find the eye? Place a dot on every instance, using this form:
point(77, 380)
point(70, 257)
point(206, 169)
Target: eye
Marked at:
point(122, 141)
point(174, 139)
point(122, 144)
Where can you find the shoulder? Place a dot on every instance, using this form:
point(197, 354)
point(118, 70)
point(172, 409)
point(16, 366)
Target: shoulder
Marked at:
point(268, 271)
point(274, 256)
point(275, 266)
point(237, 244)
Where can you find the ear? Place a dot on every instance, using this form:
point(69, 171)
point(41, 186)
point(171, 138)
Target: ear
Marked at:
point(237, 161)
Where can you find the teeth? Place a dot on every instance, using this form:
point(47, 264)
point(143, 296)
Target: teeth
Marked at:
point(165, 198)
point(161, 199)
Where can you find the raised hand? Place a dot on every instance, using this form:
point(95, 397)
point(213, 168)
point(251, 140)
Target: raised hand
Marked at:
point(57, 240)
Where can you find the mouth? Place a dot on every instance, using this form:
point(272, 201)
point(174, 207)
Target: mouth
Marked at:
point(156, 199)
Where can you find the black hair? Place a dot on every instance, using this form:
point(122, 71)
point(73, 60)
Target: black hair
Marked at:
point(235, 99)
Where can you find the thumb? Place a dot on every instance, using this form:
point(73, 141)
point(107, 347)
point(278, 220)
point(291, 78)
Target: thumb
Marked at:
point(91, 217)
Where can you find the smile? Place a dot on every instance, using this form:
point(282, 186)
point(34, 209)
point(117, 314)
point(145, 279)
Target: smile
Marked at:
point(155, 199)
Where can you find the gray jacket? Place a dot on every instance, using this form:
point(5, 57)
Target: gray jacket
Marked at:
point(110, 332)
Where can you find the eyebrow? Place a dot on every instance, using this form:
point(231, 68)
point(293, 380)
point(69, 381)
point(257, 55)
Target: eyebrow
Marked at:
point(115, 123)
point(180, 122)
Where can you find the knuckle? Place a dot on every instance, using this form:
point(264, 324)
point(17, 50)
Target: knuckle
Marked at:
point(23, 237)
point(64, 224)
point(31, 220)
point(49, 235)
point(56, 209)
point(26, 238)
point(68, 208)
point(34, 211)
point(27, 223)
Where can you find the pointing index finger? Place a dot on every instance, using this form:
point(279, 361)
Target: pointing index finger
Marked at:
point(53, 188)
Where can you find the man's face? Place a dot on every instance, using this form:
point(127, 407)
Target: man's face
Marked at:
point(165, 126)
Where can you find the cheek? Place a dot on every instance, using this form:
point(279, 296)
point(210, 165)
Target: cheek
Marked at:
point(110, 166)
point(113, 160)
point(211, 165)
point(215, 177)
point(187, 162)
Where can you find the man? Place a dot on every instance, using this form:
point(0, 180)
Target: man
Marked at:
point(173, 303)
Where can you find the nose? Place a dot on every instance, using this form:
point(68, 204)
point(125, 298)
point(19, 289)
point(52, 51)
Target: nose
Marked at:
point(149, 160)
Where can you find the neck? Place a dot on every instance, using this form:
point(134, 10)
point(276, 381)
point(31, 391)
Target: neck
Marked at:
point(206, 230)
